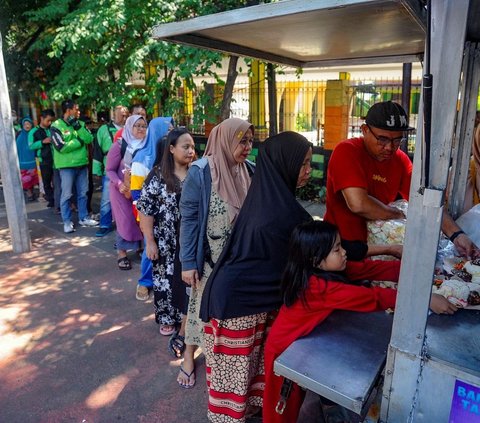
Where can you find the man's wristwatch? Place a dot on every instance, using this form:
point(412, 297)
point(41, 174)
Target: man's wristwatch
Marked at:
point(455, 235)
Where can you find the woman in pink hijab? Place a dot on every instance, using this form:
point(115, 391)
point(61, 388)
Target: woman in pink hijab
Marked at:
point(213, 193)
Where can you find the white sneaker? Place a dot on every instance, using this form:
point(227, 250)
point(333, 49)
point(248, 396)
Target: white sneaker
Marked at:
point(88, 222)
point(68, 228)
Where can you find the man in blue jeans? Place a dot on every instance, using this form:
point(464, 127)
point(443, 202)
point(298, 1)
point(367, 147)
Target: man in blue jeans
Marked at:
point(70, 138)
point(102, 144)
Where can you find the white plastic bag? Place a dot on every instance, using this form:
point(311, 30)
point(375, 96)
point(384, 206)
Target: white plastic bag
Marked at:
point(388, 232)
point(470, 224)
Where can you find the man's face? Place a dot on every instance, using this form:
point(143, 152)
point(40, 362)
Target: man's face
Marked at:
point(74, 112)
point(46, 121)
point(140, 111)
point(120, 116)
point(381, 144)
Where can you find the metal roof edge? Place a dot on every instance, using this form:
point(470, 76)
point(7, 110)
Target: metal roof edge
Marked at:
point(250, 14)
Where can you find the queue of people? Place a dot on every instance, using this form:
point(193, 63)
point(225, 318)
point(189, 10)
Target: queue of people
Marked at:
point(237, 266)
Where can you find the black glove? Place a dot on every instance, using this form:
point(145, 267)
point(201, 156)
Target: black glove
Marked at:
point(74, 123)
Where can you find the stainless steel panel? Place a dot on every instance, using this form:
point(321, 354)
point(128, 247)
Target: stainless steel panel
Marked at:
point(454, 340)
point(313, 32)
point(341, 359)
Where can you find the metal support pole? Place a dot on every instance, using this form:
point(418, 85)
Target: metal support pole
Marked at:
point(272, 100)
point(406, 91)
point(464, 129)
point(9, 168)
point(405, 355)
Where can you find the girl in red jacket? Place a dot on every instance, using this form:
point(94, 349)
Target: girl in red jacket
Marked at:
point(313, 285)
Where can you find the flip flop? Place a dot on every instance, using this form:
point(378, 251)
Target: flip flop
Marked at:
point(166, 330)
point(176, 344)
point(192, 373)
point(124, 263)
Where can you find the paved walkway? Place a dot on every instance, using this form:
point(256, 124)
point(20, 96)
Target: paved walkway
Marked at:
point(76, 346)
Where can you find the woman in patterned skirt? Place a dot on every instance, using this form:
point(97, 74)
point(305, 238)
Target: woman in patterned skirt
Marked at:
point(243, 292)
point(214, 191)
point(160, 220)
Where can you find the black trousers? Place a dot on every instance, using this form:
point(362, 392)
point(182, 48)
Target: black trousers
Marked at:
point(47, 177)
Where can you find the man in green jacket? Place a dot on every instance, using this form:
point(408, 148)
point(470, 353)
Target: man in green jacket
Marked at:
point(39, 141)
point(103, 142)
point(70, 156)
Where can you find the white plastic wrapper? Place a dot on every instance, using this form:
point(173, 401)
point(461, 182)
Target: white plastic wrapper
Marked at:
point(388, 232)
point(470, 223)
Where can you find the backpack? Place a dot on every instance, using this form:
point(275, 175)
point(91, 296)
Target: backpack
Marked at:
point(98, 154)
point(57, 138)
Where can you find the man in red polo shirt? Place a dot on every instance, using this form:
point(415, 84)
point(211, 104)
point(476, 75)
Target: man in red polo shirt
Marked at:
point(366, 174)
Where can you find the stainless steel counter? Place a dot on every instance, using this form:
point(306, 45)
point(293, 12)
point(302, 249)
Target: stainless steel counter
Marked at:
point(342, 359)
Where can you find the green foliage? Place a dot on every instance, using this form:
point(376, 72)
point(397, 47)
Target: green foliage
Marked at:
point(311, 192)
point(92, 49)
point(302, 122)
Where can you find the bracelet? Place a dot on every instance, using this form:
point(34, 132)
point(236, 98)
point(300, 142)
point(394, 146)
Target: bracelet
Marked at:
point(455, 234)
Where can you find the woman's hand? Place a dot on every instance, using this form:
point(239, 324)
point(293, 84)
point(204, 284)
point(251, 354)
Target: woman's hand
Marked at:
point(152, 250)
point(190, 277)
point(122, 188)
point(440, 305)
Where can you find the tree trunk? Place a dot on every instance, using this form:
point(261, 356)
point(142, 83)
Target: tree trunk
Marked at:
point(228, 91)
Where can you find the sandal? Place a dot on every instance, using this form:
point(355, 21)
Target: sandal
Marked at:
point(176, 344)
point(190, 384)
point(167, 330)
point(124, 263)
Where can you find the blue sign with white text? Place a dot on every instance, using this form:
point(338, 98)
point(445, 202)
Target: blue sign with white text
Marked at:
point(465, 403)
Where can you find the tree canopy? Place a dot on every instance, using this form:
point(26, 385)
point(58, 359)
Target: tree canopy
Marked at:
point(93, 49)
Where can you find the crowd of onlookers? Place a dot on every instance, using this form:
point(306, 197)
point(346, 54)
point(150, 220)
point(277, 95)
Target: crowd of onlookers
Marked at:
point(237, 267)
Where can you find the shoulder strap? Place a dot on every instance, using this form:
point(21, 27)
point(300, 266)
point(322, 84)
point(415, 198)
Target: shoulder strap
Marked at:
point(123, 147)
point(111, 125)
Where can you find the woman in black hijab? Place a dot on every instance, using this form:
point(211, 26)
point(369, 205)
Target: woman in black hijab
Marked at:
point(244, 287)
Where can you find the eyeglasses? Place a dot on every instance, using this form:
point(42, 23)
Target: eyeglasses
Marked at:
point(384, 141)
point(246, 142)
point(140, 126)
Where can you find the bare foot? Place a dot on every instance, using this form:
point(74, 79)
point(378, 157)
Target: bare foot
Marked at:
point(186, 375)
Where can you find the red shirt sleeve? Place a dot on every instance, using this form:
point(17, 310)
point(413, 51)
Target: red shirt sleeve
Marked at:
point(407, 178)
point(374, 270)
point(342, 296)
point(345, 157)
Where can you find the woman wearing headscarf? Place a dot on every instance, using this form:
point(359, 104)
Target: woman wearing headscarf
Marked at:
point(119, 162)
point(142, 164)
point(243, 292)
point(214, 191)
point(26, 158)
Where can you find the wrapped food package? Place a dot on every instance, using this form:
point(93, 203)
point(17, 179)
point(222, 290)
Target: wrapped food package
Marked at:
point(473, 267)
point(392, 231)
point(455, 291)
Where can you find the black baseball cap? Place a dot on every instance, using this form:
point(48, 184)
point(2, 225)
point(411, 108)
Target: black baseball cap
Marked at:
point(389, 116)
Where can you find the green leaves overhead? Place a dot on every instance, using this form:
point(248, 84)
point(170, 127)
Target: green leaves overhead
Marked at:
point(94, 49)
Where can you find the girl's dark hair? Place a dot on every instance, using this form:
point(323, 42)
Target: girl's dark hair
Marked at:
point(167, 167)
point(310, 243)
point(159, 149)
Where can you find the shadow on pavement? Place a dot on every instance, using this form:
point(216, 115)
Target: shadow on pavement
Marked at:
point(75, 344)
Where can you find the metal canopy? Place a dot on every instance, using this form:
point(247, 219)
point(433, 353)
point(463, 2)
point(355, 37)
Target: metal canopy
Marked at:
point(312, 33)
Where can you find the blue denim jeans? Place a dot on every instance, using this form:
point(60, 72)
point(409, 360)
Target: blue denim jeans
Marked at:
point(78, 177)
point(105, 207)
point(146, 278)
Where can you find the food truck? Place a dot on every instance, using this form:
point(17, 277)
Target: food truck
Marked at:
point(429, 364)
